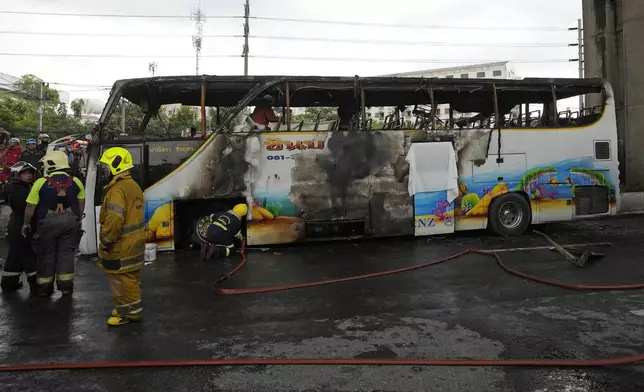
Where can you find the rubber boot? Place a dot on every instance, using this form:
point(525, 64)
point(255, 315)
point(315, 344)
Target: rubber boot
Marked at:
point(9, 287)
point(33, 284)
point(117, 321)
point(45, 290)
point(66, 287)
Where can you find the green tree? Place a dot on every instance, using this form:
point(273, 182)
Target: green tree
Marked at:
point(182, 120)
point(77, 107)
point(62, 110)
point(311, 114)
point(30, 86)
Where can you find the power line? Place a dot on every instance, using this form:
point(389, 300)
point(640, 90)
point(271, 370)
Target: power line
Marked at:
point(300, 20)
point(399, 60)
point(411, 26)
point(311, 39)
point(423, 43)
point(355, 59)
point(136, 56)
point(116, 15)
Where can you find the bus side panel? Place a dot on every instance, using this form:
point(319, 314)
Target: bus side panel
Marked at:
point(328, 177)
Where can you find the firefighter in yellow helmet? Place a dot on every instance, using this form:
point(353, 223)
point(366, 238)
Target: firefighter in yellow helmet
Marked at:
point(221, 230)
point(122, 235)
point(56, 202)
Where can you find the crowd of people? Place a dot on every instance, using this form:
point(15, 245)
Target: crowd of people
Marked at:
point(47, 200)
point(11, 152)
point(45, 231)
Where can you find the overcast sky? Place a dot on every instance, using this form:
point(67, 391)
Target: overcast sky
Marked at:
point(104, 71)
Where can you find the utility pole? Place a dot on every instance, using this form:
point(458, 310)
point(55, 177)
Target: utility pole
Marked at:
point(152, 67)
point(246, 33)
point(197, 39)
point(580, 47)
point(40, 106)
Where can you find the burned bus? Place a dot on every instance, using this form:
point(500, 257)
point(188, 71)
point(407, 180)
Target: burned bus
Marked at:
point(503, 154)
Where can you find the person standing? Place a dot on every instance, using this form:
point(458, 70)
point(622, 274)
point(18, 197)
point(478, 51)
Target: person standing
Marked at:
point(57, 202)
point(43, 142)
point(21, 258)
point(263, 113)
point(13, 152)
point(122, 235)
point(33, 155)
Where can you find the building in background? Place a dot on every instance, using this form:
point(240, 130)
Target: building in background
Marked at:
point(7, 82)
point(497, 70)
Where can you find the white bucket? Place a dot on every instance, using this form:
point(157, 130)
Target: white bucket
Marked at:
point(150, 252)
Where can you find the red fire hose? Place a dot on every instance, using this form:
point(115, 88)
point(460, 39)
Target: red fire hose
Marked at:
point(356, 361)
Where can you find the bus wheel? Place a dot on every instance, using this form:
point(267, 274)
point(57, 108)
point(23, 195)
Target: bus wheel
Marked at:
point(509, 215)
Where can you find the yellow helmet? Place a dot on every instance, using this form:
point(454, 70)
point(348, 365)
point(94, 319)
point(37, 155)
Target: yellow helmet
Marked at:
point(241, 210)
point(54, 161)
point(117, 159)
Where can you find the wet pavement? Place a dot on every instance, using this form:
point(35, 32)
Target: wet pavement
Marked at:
point(466, 308)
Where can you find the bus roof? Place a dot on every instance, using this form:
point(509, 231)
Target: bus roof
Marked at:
point(465, 95)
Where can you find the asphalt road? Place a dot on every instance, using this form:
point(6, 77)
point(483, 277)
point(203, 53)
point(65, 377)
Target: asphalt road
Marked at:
point(467, 308)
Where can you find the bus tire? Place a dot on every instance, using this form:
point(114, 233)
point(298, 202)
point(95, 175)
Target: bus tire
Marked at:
point(509, 215)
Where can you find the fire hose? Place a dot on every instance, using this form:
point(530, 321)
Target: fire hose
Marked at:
point(361, 361)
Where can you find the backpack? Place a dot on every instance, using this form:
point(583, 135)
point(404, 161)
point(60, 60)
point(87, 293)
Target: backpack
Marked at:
point(61, 190)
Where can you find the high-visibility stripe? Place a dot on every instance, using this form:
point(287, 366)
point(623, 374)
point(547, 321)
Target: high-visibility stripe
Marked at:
point(131, 308)
point(115, 208)
point(225, 246)
point(132, 260)
point(30, 274)
point(220, 225)
point(5, 273)
point(45, 280)
point(132, 228)
point(64, 277)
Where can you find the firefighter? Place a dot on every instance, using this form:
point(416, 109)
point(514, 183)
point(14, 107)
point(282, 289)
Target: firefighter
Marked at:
point(57, 202)
point(122, 235)
point(32, 154)
point(21, 258)
point(223, 228)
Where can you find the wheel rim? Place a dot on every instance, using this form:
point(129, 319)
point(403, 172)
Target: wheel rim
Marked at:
point(510, 214)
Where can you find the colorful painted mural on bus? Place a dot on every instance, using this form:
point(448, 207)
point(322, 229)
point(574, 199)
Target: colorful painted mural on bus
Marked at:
point(290, 178)
point(159, 223)
point(433, 214)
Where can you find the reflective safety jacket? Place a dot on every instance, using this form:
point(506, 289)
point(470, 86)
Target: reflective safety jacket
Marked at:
point(122, 226)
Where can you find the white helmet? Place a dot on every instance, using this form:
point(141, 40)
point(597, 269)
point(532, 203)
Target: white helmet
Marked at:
point(43, 136)
point(14, 141)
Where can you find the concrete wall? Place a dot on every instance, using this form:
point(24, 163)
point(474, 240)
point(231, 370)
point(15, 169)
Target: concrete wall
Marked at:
point(613, 49)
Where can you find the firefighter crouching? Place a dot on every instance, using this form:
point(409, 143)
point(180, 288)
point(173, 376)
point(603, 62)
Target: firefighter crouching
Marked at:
point(122, 235)
point(56, 201)
point(21, 257)
point(222, 229)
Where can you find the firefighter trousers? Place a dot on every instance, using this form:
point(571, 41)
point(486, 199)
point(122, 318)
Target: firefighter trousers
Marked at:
point(126, 291)
point(21, 258)
point(55, 242)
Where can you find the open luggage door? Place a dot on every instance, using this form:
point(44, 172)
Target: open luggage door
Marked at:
point(433, 183)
